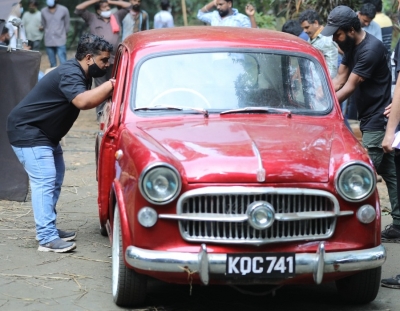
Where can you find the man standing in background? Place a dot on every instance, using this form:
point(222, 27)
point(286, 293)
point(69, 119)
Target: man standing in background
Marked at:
point(385, 23)
point(32, 21)
point(366, 15)
point(55, 21)
point(164, 19)
point(226, 15)
point(311, 23)
point(137, 20)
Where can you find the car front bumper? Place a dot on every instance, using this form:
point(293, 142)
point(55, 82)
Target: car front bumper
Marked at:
point(205, 264)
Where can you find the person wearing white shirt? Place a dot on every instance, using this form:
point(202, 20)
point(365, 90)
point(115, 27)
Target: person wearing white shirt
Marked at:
point(164, 18)
point(16, 32)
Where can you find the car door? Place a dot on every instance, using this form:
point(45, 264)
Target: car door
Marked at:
point(110, 126)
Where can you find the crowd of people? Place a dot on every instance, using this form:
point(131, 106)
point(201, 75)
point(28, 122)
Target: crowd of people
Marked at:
point(355, 44)
point(52, 23)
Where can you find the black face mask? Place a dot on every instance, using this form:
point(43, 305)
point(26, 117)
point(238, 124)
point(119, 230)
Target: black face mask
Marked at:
point(95, 71)
point(136, 7)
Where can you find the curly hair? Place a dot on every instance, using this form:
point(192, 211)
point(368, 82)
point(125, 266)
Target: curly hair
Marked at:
point(92, 44)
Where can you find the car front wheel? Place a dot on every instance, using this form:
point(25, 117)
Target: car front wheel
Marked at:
point(360, 288)
point(128, 287)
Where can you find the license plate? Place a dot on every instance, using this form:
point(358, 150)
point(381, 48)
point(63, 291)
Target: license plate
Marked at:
point(262, 265)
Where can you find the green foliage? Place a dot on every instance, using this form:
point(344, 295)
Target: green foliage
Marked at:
point(266, 20)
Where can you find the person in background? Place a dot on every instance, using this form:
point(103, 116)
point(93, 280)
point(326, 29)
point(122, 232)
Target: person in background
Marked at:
point(105, 24)
point(137, 20)
point(364, 74)
point(385, 23)
point(293, 27)
point(55, 21)
point(310, 22)
point(366, 16)
point(4, 36)
point(226, 15)
point(36, 125)
point(164, 18)
point(32, 20)
point(16, 32)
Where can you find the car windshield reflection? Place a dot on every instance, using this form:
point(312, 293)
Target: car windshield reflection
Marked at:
point(222, 81)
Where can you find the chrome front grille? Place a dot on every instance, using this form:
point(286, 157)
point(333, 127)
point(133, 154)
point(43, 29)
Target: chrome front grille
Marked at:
point(215, 214)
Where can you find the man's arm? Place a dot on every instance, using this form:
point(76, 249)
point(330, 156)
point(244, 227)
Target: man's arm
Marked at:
point(250, 11)
point(341, 77)
point(122, 4)
point(92, 98)
point(393, 121)
point(84, 5)
point(204, 13)
point(43, 21)
point(349, 87)
point(66, 21)
point(208, 7)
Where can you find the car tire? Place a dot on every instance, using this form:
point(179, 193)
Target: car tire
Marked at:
point(360, 288)
point(128, 286)
point(103, 230)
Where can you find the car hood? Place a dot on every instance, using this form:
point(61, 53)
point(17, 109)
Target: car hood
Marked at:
point(231, 151)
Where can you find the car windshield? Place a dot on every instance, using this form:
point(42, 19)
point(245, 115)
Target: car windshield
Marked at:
point(223, 81)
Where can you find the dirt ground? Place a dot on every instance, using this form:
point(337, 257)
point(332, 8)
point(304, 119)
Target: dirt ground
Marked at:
point(81, 280)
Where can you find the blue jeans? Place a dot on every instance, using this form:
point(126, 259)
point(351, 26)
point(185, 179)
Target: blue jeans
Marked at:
point(45, 167)
point(61, 51)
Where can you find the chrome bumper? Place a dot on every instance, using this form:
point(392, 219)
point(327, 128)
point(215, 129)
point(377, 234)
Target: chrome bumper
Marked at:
point(205, 264)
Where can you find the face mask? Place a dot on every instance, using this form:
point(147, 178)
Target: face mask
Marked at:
point(32, 10)
point(50, 3)
point(136, 7)
point(21, 10)
point(105, 14)
point(95, 71)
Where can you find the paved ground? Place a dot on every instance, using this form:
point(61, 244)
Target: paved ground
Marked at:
point(32, 280)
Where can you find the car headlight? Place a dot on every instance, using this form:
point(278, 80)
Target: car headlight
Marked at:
point(355, 181)
point(160, 183)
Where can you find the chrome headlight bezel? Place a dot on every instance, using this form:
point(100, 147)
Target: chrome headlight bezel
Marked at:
point(346, 169)
point(173, 174)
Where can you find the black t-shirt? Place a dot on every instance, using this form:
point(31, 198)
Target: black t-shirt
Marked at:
point(46, 114)
point(368, 60)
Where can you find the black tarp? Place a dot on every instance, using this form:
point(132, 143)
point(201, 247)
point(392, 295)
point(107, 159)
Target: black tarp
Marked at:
point(18, 75)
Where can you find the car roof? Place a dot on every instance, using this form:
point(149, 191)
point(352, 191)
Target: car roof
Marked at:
point(197, 37)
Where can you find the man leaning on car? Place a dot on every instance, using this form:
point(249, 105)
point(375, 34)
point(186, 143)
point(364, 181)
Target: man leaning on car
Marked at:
point(36, 125)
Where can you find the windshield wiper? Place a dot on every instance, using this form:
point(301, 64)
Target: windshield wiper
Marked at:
point(157, 108)
point(258, 109)
point(200, 110)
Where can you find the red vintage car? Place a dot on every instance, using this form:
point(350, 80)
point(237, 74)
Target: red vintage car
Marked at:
point(223, 156)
